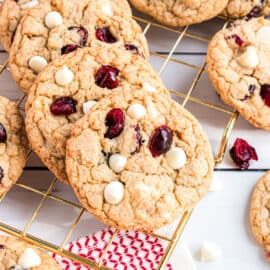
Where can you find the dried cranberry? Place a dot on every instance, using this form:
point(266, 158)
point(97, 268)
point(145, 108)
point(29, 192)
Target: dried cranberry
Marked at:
point(160, 141)
point(115, 121)
point(241, 153)
point(3, 134)
point(69, 48)
point(133, 48)
point(1, 174)
point(82, 32)
point(107, 77)
point(254, 13)
point(139, 139)
point(105, 35)
point(265, 93)
point(63, 106)
point(240, 42)
point(2, 246)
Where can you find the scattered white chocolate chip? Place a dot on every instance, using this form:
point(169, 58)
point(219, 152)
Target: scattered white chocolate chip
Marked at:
point(209, 252)
point(37, 63)
point(263, 35)
point(148, 87)
point(176, 158)
point(106, 8)
point(29, 4)
point(53, 19)
point(114, 192)
point(117, 162)
point(249, 58)
point(64, 76)
point(88, 105)
point(216, 184)
point(136, 111)
point(29, 258)
point(184, 258)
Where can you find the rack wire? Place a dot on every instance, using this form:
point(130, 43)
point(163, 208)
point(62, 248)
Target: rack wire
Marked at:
point(168, 57)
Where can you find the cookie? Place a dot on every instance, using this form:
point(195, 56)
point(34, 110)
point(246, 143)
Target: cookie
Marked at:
point(13, 144)
point(238, 66)
point(11, 13)
point(15, 254)
point(138, 159)
point(66, 25)
point(61, 93)
point(259, 212)
point(180, 12)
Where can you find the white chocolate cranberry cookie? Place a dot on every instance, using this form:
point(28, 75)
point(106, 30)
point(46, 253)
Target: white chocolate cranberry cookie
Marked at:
point(238, 64)
point(13, 145)
point(68, 87)
point(47, 32)
point(18, 255)
point(138, 159)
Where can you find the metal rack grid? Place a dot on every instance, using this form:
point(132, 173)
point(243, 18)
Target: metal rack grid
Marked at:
point(187, 97)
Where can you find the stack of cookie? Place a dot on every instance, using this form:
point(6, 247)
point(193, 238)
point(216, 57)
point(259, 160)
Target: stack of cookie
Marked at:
point(98, 115)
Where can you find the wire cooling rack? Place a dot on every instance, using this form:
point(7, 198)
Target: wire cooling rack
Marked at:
point(173, 55)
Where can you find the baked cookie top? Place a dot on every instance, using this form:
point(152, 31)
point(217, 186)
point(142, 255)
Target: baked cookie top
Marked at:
point(259, 212)
point(65, 25)
point(15, 254)
point(10, 15)
point(238, 64)
point(13, 144)
point(180, 12)
point(137, 159)
point(56, 99)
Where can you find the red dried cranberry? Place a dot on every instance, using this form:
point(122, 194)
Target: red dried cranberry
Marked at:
point(115, 121)
point(63, 106)
point(265, 93)
point(3, 134)
point(161, 141)
point(139, 139)
point(82, 32)
point(238, 40)
point(133, 48)
point(1, 174)
point(241, 153)
point(69, 48)
point(254, 13)
point(105, 35)
point(107, 77)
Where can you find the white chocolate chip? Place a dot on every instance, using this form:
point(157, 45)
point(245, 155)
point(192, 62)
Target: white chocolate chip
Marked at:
point(114, 192)
point(53, 19)
point(106, 8)
point(30, 4)
point(263, 35)
point(37, 63)
point(249, 58)
point(176, 158)
point(136, 111)
point(29, 258)
point(185, 260)
point(117, 162)
point(88, 105)
point(148, 87)
point(209, 252)
point(216, 184)
point(64, 76)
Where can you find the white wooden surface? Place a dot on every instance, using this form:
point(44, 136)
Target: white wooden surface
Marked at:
point(221, 217)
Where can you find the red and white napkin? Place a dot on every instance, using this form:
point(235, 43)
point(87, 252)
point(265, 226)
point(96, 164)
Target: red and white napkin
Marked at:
point(129, 250)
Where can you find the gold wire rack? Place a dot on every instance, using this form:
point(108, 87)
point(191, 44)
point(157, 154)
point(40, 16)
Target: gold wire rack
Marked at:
point(47, 194)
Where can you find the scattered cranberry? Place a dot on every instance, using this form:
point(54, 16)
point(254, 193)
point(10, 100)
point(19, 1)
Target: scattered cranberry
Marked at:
point(115, 121)
point(3, 134)
point(82, 32)
point(241, 153)
point(69, 48)
point(133, 48)
point(107, 77)
point(254, 13)
point(2, 246)
point(238, 40)
point(1, 174)
point(160, 141)
point(265, 93)
point(105, 35)
point(63, 106)
point(139, 138)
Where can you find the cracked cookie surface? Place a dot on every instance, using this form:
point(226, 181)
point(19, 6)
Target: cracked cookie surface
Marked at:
point(13, 144)
point(47, 132)
point(15, 254)
point(259, 212)
point(145, 188)
point(238, 65)
point(180, 12)
point(65, 25)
